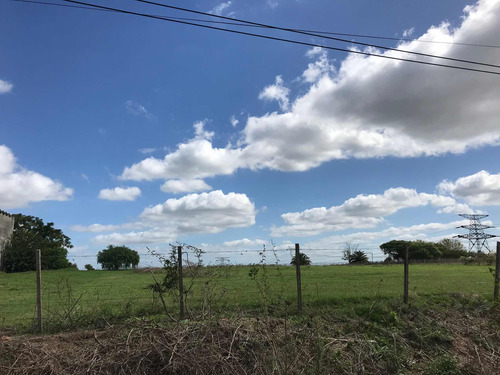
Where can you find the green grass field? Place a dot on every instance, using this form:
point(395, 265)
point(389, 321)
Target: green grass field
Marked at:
point(73, 295)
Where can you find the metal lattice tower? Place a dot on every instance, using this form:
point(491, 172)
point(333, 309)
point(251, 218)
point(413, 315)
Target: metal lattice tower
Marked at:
point(476, 236)
point(222, 260)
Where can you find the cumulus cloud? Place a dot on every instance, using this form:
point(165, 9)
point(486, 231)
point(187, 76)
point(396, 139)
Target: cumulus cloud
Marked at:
point(194, 159)
point(137, 109)
point(277, 92)
point(480, 189)
point(5, 87)
point(120, 194)
point(368, 107)
point(362, 211)
point(459, 208)
point(19, 186)
point(185, 186)
point(211, 212)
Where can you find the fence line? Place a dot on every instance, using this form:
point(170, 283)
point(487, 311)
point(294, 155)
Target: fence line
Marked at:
point(54, 295)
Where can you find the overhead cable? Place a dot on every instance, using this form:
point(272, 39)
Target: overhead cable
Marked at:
point(362, 36)
point(283, 39)
point(315, 35)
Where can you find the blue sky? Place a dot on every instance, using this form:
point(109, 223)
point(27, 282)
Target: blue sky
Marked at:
point(127, 130)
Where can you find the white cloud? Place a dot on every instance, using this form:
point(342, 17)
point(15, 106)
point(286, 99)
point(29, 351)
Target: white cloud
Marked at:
point(145, 237)
point(277, 92)
point(137, 109)
point(459, 208)
point(219, 9)
point(94, 228)
point(195, 159)
point(318, 68)
point(362, 211)
point(185, 186)
point(19, 187)
point(408, 32)
point(414, 232)
point(200, 132)
point(147, 150)
point(211, 212)
point(244, 243)
point(120, 194)
point(481, 189)
point(368, 108)
point(5, 87)
point(233, 120)
point(203, 213)
point(272, 3)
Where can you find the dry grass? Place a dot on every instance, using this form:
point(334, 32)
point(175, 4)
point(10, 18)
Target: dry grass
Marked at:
point(462, 338)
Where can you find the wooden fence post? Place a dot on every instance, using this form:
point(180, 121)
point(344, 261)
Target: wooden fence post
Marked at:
point(181, 285)
point(297, 273)
point(497, 274)
point(39, 289)
point(405, 298)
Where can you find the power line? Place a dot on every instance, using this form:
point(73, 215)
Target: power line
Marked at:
point(314, 34)
point(366, 36)
point(281, 39)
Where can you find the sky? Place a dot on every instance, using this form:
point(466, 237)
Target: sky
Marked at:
point(135, 131)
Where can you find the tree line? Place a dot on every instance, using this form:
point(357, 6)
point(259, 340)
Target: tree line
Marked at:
point(31, 233)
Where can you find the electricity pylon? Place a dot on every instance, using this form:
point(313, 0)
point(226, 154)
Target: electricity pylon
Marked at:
point(476, 236)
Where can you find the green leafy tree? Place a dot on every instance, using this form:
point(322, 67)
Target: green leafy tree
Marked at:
point(395, 250)
point(117, 257)
point(304, 260)
point(452, 249)
point(31, 234)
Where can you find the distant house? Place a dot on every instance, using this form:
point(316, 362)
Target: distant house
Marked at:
point(6, 229)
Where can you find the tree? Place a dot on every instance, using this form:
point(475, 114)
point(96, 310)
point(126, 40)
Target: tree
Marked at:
point(117, 257)
point(358, 257)
point(352, 254)
point(452, 248)
point(396, 250)
point(304, 260)
point(89, 267)
point(31, 234)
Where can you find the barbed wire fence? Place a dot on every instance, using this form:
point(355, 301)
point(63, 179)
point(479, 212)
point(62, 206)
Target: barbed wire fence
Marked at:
point(71, 302)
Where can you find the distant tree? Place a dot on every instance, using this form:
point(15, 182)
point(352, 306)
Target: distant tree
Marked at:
point(452, 249)
point(352, 254)
point(31, 234)
point(396, 250)
point(304, 260)
point(117, 257)
point(89, 267)
point(424, 250)
point(358, 257)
